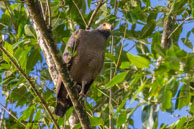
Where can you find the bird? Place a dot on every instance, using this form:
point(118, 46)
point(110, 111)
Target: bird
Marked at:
point(84, 57)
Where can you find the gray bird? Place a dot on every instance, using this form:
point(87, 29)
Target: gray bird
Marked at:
point(84, 57)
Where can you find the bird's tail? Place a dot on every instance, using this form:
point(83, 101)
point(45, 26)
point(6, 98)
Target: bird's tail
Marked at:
point(62, 107)
point(63, 100)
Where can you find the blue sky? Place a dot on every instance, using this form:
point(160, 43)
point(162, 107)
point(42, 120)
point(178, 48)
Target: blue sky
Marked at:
point(164, 117)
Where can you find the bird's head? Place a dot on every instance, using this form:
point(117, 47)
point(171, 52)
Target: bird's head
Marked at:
point(105, 28)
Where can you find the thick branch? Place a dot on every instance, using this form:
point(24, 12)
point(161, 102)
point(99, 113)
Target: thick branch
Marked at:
point(169, 22)
point(62, 69)
point(43, 103)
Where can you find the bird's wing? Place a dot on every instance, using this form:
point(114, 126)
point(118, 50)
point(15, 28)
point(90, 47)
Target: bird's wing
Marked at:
point(67, 55)
point(63, 103)
point(70, 49)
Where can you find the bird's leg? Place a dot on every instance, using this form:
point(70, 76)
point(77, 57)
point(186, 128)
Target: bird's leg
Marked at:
point(74, 83)
point(76, 86)
point(82, 89)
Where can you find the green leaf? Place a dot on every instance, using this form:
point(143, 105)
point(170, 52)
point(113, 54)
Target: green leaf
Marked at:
point(22, 54)
point(96, 121)
point(164, 98)
point(148, 29)
point(155, 42)
point(142, 48)
point(139, 61)
point(29, 30)
point(20, 30)
point(184, 97)
point(69, 112)
point(192, 5)
point(26, 113)
point(37, 116)
point(33, 58)
point(15, 45)
point(160, 50)
point(122, 104)
point(147, 116)
point(139, 90)
point(131, 17)
point(181, 123)
point(125, 65)
point(187, 42)
point(117, 79)
point(8, 47)
point(60, 121)
point(78, 126)
point(121, 119)
point(4, 66)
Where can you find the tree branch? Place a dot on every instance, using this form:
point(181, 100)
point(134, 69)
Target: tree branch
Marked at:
point(169, 22)
point(106, 100)
point(62, 69)
point(11, 114)
point(167, 29)
point(80, 13)
point(43, 103)
point(179, 26)
point(94, 13)
point(111, 73)
point(49, 12)
point(3, 113)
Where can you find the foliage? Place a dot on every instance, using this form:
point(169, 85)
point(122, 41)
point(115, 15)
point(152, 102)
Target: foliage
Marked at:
point(136, 77)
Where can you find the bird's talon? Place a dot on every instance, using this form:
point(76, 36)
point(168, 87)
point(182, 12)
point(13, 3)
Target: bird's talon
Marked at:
point(81, 94)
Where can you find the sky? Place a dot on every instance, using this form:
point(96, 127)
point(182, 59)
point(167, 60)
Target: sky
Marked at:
point(164, 117)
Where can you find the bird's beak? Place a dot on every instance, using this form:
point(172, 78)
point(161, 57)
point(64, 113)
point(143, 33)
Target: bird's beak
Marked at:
point(110, 27)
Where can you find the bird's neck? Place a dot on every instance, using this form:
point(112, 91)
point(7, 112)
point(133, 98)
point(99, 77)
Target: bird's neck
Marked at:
point(106, 34)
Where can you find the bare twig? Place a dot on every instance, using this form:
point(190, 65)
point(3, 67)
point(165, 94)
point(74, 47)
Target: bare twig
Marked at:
point(184, 19)
point(49, 12)
point(12, 1)
point(80, 13)
point(179, 26)
point(111, 71)
point(3, 113)
point(43, 103)
point(191, 88)
point(121, 49)
point(106, 100)
point(62, 69)
point(100, 3)
point(11, 114)
point(110, 90)
point(43, 11)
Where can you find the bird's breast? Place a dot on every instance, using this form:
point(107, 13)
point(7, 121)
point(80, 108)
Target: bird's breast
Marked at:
point(89, 60)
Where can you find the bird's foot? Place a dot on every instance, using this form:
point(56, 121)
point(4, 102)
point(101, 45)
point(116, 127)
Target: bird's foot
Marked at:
point(81, 95)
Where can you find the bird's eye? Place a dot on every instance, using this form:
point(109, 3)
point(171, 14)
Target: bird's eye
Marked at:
point(104, 24)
